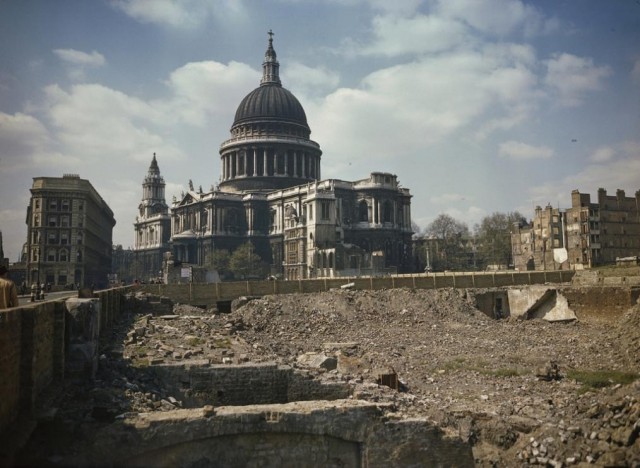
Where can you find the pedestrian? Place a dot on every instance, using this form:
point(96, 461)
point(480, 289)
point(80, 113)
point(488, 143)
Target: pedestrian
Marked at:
point(34, 292)
point(8, 290)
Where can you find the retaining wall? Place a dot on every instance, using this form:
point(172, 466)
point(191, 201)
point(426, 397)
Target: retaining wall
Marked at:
point(209, 294)
point(33, 342)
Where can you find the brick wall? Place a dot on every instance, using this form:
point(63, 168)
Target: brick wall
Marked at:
point(32, 355)
point(201, 384)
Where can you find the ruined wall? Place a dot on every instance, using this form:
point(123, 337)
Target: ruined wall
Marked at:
point(32, 354)
point(348, 433)
point(601, 303)
point(249, 384)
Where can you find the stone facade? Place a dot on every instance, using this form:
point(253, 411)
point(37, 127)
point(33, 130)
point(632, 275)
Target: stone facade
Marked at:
point(270, 194)
point(69, 232)
point(585, 235)
point(152, 226)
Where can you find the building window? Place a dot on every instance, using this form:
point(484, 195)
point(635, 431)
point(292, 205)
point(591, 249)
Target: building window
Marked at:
point(36, 220)
point(324, 206)
point(37, 204)
point(65, 205)
point(363, 211)
point(64, 238)
point(310, 212)
point(64, 255)
point(52, 238)
point(64, 221)
point(53, 221)
point(51, 255)
point(81, 205)
point(386, 212)
point(53, 205)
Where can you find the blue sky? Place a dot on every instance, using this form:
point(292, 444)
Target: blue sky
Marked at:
point(477, 105)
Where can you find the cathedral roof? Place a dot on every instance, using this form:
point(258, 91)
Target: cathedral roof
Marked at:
point(270, 101)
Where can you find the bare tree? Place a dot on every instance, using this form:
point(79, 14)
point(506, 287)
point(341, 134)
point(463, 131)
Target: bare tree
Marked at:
point(493, 236)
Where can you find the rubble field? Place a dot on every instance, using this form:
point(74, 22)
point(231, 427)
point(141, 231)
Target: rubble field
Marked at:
point(522, 393)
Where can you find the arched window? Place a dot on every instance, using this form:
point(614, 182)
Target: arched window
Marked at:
point(363, 211)
point(331, 264)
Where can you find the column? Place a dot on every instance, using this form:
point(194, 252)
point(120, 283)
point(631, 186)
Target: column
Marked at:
point(265, 172)
point(255, 162)
point(303, 157)
point(235, 154)
point(295, 163)
point(286, 163)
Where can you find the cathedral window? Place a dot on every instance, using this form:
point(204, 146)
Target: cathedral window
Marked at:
point(386, 212)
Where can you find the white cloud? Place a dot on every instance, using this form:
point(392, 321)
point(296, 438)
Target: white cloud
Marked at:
point(76, 57)
point(205, 89)
point(496, 17)
point(426, 101)
point(180, 14)
point(309, 81)
point(94, 122)
point(521, 151)
point(603, 154)
point(620, 172)
point(417, 35)
point(571, 77)
point(25, 142)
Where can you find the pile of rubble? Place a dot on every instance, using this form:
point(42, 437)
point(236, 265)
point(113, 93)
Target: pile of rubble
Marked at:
point(505, 386)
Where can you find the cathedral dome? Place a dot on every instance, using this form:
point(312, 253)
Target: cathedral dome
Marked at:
point(270, 102)
point(269, 148)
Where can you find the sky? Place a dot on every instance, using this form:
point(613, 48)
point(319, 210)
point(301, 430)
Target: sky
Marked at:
point(478, 106)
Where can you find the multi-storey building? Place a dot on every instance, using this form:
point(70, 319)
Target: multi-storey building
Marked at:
point(270, 194)
point(538, 246)
point(152, 226)
point(598, 233)
point(585, 235)
point(69, 232)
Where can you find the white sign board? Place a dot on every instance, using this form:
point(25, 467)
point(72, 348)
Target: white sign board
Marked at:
point(560, 255)
point(185, 272)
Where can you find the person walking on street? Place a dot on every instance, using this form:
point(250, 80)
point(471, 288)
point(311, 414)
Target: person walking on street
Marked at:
point(8, 290)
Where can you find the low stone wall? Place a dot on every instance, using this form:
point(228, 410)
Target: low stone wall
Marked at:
point(33, 341)
point(209, 294)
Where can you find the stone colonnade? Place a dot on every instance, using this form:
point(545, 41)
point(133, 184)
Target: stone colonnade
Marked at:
point(264, 162)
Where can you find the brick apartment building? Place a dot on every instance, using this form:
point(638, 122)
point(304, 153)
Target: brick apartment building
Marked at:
point(587, 234)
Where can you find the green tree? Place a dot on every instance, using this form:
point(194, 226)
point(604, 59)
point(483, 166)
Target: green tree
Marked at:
point(453, 239)
point(493, 237)
point(245, 262)
point(219, 260)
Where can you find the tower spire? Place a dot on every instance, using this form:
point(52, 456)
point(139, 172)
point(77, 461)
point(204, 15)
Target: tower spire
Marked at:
point(270, 66)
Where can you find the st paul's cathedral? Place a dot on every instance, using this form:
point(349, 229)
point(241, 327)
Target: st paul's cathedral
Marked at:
point(271, 194)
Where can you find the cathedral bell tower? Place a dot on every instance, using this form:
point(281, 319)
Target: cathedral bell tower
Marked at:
point(153, 224)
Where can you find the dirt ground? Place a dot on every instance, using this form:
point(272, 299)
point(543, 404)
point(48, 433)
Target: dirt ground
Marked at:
point(509, 387)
